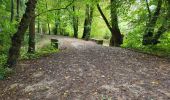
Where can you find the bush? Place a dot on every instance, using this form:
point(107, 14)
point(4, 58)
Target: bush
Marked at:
point(3, 70)
point(133, 40)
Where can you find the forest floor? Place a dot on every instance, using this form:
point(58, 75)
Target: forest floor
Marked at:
point(83, 70)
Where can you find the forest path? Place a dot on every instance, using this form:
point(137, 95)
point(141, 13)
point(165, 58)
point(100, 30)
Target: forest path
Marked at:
point(83, 70)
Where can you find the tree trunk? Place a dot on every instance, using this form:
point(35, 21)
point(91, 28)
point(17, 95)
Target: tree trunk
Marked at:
point(48, 24)
point(147, 37)
point(31, 43)
point(18, 6)
point(116, 39)
point(49, 30)
point(88, 22)
point(38, 23)
point(75, 23)
point(18, 37)
point(58, 23)
point(85, 28)
point(149, 11)
point(56, 29)
point(12, 10)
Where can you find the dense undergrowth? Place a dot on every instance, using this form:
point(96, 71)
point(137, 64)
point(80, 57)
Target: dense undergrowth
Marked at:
point(133, 40)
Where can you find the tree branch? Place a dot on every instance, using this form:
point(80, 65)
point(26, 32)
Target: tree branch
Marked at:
point(104, 17)
point(149, 11)
point(55, 9)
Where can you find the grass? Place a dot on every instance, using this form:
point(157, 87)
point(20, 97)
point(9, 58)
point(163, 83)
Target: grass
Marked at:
point(44, 51)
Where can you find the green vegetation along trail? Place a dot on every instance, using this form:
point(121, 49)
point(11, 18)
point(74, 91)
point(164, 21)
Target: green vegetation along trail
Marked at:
point(83, 70)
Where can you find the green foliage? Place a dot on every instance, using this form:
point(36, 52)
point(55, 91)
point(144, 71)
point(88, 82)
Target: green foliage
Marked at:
point(3, 70)
point(6, 31)
point(3, 58)
point(136, 20)
point(133, 40)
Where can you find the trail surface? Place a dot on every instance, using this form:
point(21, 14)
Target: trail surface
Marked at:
point(83, 70)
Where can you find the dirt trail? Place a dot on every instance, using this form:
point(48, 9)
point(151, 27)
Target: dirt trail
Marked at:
point(87, 71)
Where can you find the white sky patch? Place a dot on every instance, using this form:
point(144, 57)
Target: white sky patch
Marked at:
point(138, 1)
point(152, 7)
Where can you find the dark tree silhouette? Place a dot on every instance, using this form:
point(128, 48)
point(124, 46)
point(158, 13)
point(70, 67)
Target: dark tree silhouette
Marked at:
point(18, 37)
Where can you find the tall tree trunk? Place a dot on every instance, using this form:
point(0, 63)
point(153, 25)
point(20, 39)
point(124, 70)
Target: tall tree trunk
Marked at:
point(12, 10)
point(31, 43)
point(75, 23)
point(59, 23)
point(38, 23)
point(56, 25)
point(147, 37)
point(48, 24)
point(85, 28)
point(18, 7)
point(116, 39)
point(18, 37)
point(88, 22)
point(49, 30)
